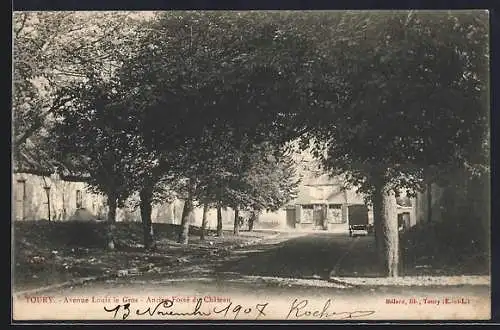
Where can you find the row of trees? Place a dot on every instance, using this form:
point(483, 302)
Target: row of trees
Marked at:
point(204, 103)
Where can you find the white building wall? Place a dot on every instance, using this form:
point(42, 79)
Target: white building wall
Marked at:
point(32, 204)
point(63, 204)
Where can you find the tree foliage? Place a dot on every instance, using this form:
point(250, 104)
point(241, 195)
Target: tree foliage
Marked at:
point(52, 50)
point(206, 100)
point(413, 99)
point(411, 106)
point(207, 97)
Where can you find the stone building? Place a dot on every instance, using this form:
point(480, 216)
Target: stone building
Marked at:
point(465, 198)
point(323, 203)
point(48, 196)
point(38, 195)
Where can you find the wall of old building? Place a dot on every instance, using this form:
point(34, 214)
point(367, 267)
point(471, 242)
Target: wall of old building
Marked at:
point(274, 219)
point(30, 201)
point(71, 200)
point(462, 200)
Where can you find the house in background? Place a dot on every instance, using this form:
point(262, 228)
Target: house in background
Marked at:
point(324, 204)
point(429, 204)
point(43, 189)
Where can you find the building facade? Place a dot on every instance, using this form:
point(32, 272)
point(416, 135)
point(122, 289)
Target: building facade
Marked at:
point(51, 197)
point(321, 204)
point(324, 204)
point(429, 206)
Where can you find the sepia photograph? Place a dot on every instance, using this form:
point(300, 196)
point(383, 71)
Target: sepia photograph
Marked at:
point(251, 165)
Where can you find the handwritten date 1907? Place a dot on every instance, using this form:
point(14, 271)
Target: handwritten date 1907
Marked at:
point(167, 308)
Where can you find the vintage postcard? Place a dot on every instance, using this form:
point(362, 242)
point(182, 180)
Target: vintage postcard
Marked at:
point(251, 165)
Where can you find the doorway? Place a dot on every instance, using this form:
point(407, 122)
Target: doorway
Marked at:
point(318, 215)
point(290, 218)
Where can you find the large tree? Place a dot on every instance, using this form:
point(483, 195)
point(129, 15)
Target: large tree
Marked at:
point(53, 49)
point(65, 73)
point(97, 136)
point(265, 181)
point(412, 105)
point(90, 139)
point(209, 86)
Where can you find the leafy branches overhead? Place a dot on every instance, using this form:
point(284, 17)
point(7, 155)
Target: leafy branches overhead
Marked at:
point(92, 136)
point(259, 179)
point(414, 98)
point(54, 49)
point(205, 101)
point(272, 180)
point(207, 98)
point(220, 68)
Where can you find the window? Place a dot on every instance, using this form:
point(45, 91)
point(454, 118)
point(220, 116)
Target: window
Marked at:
point(78, 199)
point(21, 190)
point(404, 220)
point(334, 214)
point(307, 213)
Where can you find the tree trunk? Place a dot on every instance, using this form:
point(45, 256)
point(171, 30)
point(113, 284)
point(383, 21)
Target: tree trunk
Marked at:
point(204, 222)
point(146, 196)
point(378, 216)
point(187, 213)
point(389, 237)
point(429, 202)
point(252, 220)
point(236, 230)
point(112, 204)
point(219, 220)
point(386, 231)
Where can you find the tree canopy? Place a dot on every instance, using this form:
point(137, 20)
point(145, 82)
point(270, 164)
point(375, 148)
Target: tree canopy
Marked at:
point(392, 100)
point(413, 98)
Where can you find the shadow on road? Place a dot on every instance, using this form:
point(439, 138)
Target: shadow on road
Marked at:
point(324, 256)
point(313, 256)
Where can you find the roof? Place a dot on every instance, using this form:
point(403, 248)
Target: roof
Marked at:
point(306, 195)
point(322, 180)
point(34, 160)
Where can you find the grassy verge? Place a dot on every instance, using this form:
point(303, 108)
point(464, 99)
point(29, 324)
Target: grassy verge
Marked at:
point(47, 253)
point(447, 248)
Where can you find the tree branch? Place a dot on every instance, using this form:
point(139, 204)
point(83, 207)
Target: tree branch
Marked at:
point(23, 22)
point(37, 124)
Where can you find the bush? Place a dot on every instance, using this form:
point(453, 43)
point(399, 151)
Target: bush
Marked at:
point(87, 234)
point(448, 241)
